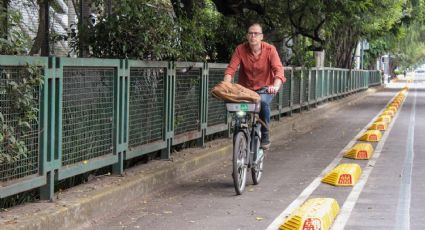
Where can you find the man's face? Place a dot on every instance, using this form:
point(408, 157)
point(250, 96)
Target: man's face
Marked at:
point(254, 35)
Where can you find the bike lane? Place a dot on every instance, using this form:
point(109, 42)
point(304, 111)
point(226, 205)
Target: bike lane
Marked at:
point(207, 200)
point(393, 198)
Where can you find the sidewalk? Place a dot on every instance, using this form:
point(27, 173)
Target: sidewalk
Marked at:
point(111, 193)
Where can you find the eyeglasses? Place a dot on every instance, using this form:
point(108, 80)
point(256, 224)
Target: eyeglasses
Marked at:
point(255, 34)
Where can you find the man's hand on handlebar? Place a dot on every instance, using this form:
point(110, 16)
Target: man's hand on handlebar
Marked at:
point(272, 89)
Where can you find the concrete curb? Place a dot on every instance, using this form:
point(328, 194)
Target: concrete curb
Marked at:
point(85, 202)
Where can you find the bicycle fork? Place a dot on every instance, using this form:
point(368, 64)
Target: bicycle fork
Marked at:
point(256, 152)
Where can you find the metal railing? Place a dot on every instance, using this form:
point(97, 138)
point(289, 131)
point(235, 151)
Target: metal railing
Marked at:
point(100, 112)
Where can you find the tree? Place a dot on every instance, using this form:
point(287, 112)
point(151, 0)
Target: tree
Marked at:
point(41, 41)
point(3, 18)
point(13, 40)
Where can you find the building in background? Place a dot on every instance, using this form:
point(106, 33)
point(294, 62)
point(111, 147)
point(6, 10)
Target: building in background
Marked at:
point(62, 23)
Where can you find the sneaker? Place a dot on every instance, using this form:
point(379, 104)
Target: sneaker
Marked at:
point(265, 142)
point(265, 146)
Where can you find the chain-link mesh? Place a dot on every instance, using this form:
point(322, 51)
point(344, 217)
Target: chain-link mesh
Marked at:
point(147, 101)
point(297, 87)
point(216, 108)
point(305, 85)
point(375, 78)
point(320, 84)
point(346, 78)
point(325, 83)
point(27, 164)
point(274, 105)
point(313, 85)
point(87, 113)
point(286, 88)
point(187, 100)
point(335, 81)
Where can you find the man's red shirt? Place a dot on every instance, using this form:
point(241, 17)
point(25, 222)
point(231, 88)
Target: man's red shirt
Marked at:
point(256, 72)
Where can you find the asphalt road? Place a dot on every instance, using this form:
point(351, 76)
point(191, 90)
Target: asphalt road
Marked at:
point(392, 196)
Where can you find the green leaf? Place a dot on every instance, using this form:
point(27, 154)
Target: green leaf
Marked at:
point(25, 124)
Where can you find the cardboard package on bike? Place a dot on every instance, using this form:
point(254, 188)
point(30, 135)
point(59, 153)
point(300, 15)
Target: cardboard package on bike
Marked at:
point(231, 92)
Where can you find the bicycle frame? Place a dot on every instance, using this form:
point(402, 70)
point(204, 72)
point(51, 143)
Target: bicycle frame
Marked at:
point(246, 144)
point(248, 124)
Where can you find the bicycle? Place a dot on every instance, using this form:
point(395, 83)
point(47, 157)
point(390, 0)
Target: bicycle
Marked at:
point(246, 144)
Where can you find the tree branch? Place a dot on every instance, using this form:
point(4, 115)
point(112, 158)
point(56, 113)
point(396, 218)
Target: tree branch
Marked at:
point(236, 7)
point(301, 30)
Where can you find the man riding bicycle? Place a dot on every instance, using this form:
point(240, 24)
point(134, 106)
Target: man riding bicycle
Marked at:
point(260, 70)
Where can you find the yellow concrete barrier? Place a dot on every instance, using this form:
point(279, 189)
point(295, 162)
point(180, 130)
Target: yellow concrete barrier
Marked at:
point(360, 151)
point(343, 175)
point(388, 113)
point(392, 108)
point(382, 126)
point(314, 214)
point(384, 118)
point(371, 135)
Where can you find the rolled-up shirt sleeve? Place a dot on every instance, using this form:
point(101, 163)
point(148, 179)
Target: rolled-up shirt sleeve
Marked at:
point(276, 65)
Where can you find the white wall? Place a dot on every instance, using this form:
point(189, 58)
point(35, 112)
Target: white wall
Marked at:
point(59, 21)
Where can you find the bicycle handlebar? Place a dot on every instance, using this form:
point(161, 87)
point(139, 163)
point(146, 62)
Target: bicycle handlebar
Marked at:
point(264, 89)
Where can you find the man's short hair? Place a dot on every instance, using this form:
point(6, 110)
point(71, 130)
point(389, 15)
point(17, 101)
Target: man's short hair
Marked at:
point(255, 24)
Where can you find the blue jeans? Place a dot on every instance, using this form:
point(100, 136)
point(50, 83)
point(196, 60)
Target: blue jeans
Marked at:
point(266, 100)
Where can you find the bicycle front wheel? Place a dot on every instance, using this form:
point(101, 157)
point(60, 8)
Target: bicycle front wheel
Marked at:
point(240, 161)
point(257, 170)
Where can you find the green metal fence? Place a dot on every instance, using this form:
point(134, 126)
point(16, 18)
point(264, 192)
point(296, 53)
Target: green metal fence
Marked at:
point(216, 111)
point(100, 112)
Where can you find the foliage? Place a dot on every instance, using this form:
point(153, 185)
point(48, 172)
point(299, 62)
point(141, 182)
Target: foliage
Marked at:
point(404, 40)
point(149, 31)
point(356, 21)
point(198, 34)
point(209, 30)
point(136, 29)
point(13, 40)
point(23, 104)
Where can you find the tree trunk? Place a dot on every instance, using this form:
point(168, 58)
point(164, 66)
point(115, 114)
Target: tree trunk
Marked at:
point(3, 22)
point(85, 12)
point(344, 41)
point(41, 41)
point(320, 58)
point(109, 7)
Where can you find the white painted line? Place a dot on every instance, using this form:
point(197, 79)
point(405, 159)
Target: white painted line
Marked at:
point(352, 198)
point(317, 181)
point(403, 205)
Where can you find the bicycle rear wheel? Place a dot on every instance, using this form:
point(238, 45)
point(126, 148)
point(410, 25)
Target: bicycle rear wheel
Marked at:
point(257, 170)
point(240, 162)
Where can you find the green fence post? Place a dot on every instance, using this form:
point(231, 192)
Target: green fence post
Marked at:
point(316, 85)
point(121, 101)
point(204, 104)
point(332, 87)
point(326, 82)
point(345, 83)
point(52, 116)
point(301, 90)
point(339, 83)
point(291, 94)
point(170, 88)
point(308, 89)
point(279, 101)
